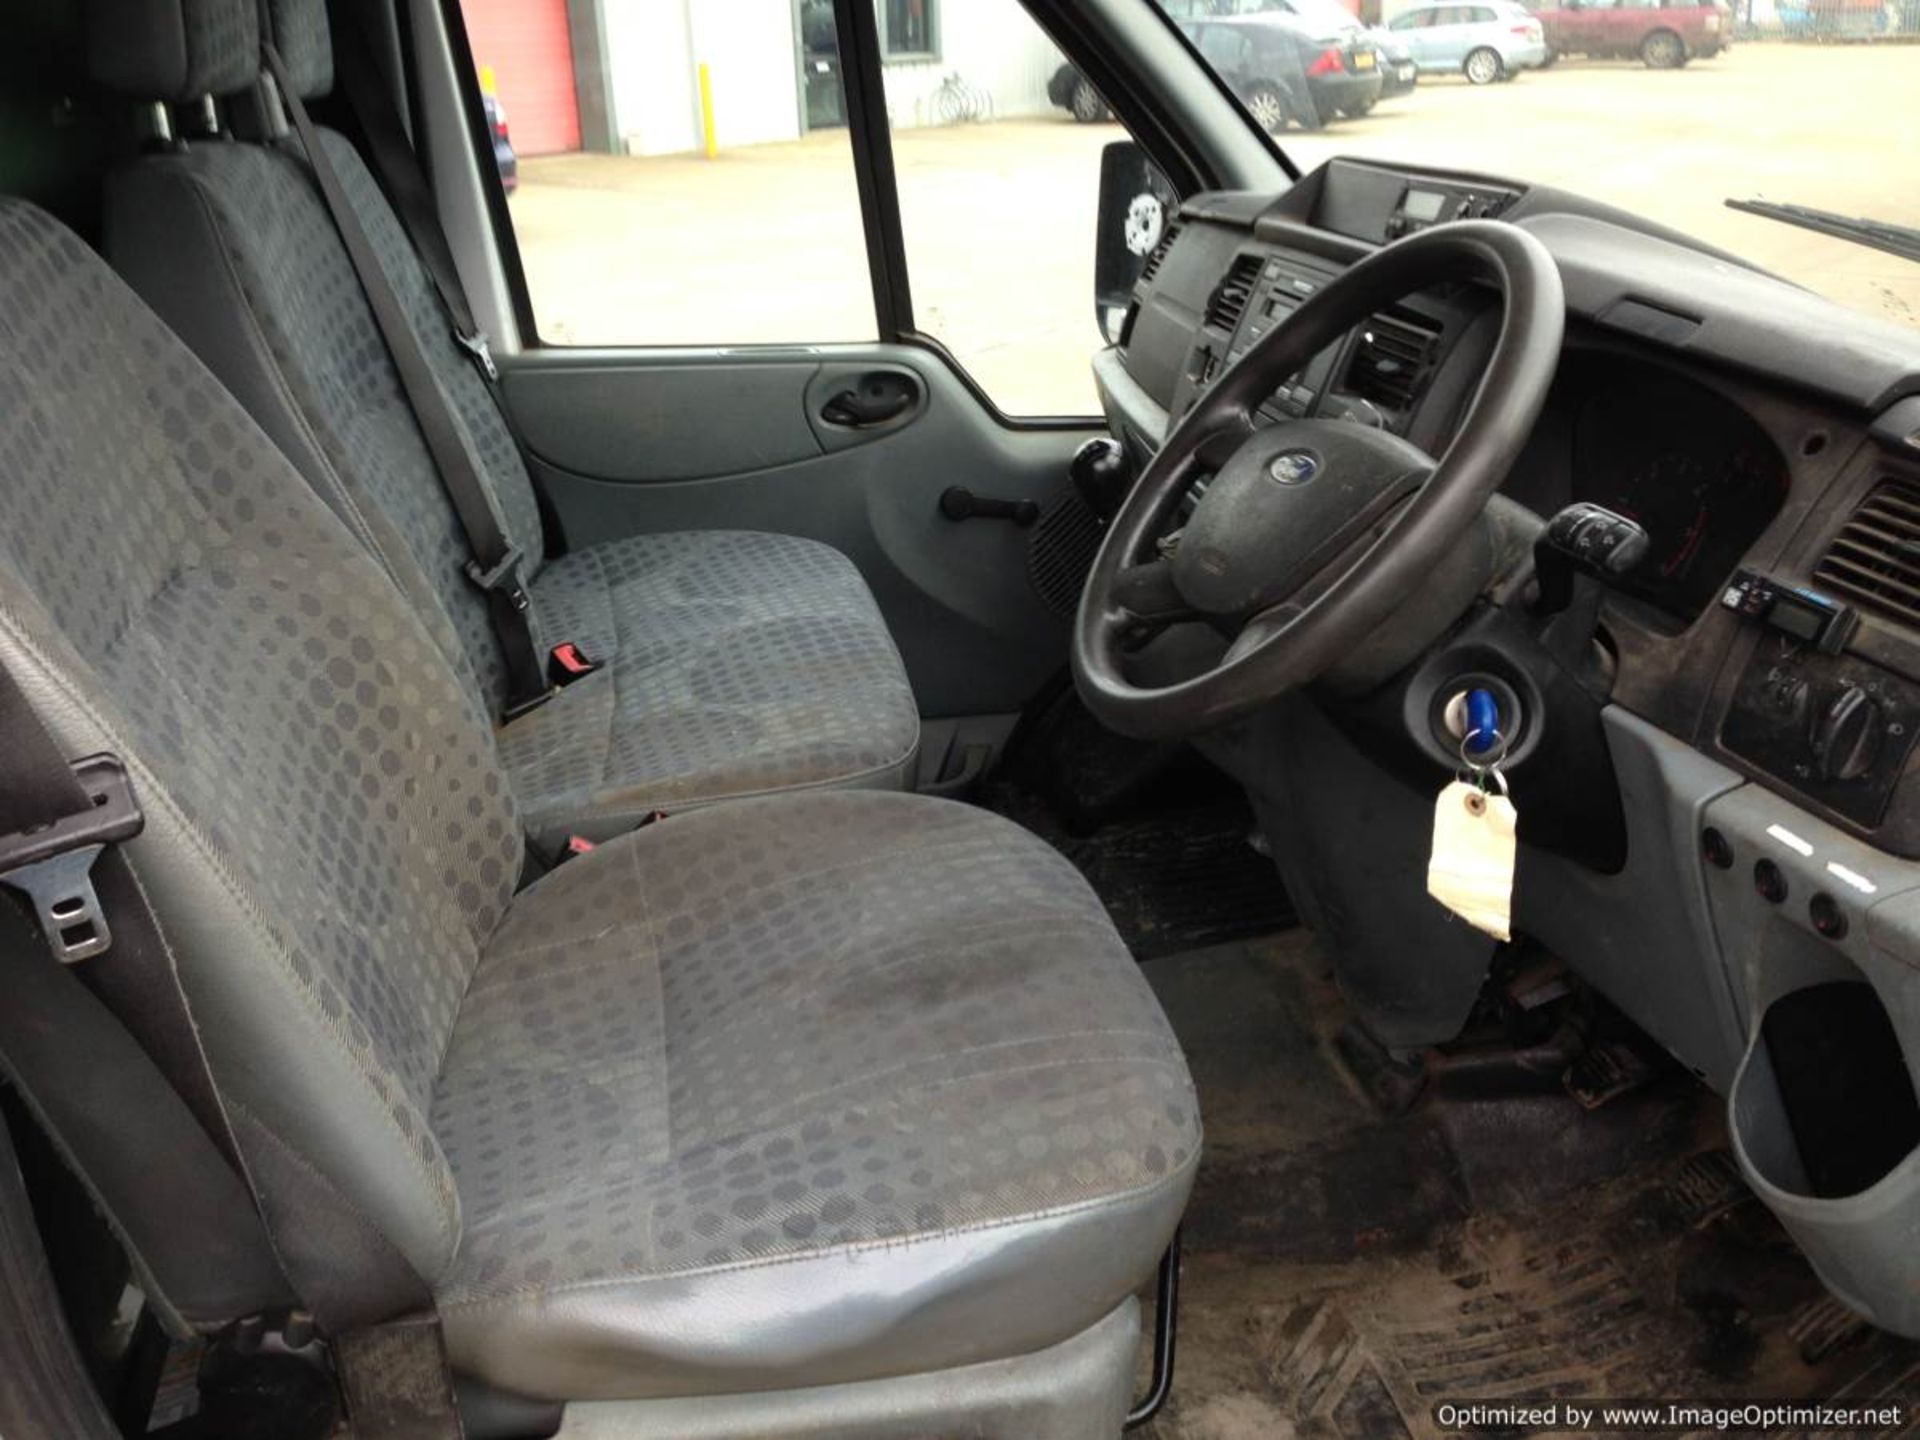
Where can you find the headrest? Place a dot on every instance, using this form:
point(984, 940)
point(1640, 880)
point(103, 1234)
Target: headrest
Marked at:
point(173, 49)
point(298, 30)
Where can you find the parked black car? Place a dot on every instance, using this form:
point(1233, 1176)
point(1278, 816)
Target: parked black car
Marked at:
point(503, 155)
point(1287, 71)
point(1074, 93)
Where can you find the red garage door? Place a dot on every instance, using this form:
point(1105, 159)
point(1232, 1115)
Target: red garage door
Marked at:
point(526, 45)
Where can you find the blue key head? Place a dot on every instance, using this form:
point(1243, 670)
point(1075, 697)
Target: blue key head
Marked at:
point(1483, 721)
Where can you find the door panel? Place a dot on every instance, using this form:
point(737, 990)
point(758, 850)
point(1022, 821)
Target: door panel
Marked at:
point(687, 422)
point(630, 443)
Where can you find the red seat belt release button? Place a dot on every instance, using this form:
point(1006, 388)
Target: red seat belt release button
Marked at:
point(567, 662)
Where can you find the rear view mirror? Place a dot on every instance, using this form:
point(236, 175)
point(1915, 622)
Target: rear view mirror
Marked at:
point(1136, 206)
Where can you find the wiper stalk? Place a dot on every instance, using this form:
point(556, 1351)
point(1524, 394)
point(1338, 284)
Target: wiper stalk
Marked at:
point(1879, 234)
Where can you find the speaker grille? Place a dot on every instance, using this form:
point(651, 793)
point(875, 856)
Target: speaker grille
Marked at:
point(1061, 551)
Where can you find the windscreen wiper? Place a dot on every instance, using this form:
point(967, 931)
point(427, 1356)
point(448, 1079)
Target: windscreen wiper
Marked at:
point(1900, 240)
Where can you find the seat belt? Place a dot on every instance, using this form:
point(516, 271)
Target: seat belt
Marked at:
point(396, 165)
point(155, 1152)
point(494, 564)
point(96, 1035)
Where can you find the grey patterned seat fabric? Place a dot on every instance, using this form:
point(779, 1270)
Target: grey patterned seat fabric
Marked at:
point(826, 1087)
point(748, 663)
point(799, 1090)
point(710, 689)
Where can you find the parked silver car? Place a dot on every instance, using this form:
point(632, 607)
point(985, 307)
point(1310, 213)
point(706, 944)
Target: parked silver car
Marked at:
point(1486, 41)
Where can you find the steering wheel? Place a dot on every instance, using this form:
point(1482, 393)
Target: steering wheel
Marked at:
point(1312, 532)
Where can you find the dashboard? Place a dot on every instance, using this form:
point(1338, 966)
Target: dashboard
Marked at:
point(1717, 775)
point(1742, 421)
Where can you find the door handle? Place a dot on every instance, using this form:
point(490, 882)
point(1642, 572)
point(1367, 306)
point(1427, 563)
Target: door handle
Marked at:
point(876, 398)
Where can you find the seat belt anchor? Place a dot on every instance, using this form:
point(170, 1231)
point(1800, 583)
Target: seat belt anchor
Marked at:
point(52, 863)
point(476, 344)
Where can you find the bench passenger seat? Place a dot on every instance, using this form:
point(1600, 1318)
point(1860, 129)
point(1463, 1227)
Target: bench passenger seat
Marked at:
point(735, 663)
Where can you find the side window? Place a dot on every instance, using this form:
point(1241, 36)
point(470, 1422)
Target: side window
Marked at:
point(628, 232)
point(1413, 20)
point(682, 174)
point(998, 170)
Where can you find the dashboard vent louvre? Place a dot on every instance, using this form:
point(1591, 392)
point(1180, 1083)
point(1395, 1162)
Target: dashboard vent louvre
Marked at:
point(1230, 296)
point(1876, 556)
point(1391, 361)
point(1159, 253)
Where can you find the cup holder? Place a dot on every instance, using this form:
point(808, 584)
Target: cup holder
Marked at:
point(1826, 1126)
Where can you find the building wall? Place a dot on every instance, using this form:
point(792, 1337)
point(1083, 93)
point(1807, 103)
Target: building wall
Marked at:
point(995, 49)
point(525, 48)
point(654, 48)
point(751, 50)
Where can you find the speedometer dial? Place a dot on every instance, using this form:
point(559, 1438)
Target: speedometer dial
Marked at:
point(1697, 473)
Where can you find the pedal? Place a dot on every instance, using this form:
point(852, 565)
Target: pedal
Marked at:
point(1391, 1083)
point(1822, 1328)
point(1705, 1188)
point(1605, 1072)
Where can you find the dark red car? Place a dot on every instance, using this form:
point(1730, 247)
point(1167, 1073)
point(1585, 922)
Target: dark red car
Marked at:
point(1665, 34)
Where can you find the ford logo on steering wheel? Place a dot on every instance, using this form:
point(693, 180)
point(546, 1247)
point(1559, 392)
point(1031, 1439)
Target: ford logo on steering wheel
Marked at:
point(1294, 467)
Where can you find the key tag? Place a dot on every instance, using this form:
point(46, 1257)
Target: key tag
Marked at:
point(1471, 868)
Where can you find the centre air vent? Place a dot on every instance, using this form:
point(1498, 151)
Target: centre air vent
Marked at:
point(1391, 361)
point(1159, 253)
point(1230, 296)
point(1876, 556)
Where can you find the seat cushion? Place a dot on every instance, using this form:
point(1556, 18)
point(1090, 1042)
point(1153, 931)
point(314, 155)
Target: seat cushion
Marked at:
point(736, 663)
point(803, 1090)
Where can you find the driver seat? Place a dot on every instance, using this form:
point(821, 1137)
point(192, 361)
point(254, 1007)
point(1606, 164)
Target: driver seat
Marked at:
point(843, 1108)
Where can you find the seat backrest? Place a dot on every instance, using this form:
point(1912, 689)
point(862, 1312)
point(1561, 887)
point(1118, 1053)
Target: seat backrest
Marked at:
point(230, 242)
point(329, 837)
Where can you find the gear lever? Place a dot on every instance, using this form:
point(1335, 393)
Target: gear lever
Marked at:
point(1102, 473)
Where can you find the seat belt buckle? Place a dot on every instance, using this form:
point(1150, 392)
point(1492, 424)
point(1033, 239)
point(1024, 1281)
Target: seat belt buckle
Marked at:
point(503, 576)
point(477, 346)
point(52, 864)
point(567, 662)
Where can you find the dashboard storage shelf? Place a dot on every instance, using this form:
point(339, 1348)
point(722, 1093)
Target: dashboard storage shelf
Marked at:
point(1815, 929)
point(1824, 1129)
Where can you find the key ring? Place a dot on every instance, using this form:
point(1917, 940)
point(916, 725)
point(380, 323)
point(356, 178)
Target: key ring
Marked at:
point(1482, 770)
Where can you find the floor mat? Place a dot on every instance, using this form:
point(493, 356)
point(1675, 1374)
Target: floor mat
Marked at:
point(1346, 1272)
point(1178, 880)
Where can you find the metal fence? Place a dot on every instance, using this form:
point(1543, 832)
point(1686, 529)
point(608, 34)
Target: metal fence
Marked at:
point(1857, 21)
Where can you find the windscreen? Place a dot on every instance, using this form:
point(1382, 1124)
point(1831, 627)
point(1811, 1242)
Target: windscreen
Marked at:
point(1664, 109)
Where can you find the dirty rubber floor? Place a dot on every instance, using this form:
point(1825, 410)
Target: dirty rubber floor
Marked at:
point(1345, 1271)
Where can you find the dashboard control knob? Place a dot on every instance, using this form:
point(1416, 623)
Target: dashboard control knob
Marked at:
point(1847, 734)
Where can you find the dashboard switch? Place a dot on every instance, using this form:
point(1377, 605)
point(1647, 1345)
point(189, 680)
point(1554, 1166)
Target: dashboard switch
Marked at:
point(1847, 734)
point(1587, 538)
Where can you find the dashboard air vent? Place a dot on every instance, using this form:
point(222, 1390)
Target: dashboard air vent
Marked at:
point(1876, 556)
point(1159, 253)
point(1230, 296)
point(1391, 361)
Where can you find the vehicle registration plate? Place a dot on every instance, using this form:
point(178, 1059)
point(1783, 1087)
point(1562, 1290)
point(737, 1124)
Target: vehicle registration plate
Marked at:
point(1404, 72)
point(1363, 60)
